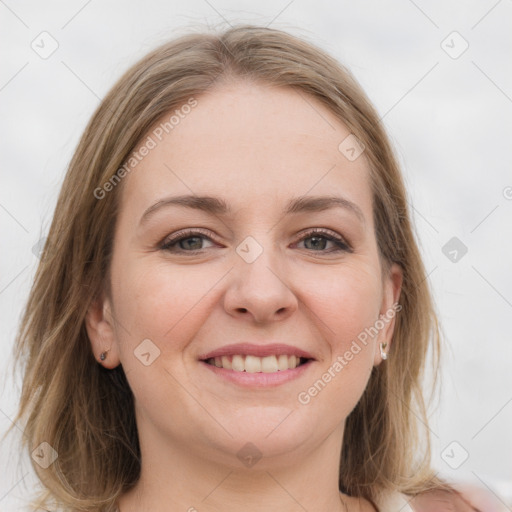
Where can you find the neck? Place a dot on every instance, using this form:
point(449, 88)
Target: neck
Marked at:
point(175, 476)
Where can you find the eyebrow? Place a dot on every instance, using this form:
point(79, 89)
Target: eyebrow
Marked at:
point(217, 206)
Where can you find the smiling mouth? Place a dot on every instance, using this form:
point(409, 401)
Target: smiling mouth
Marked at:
point(255, 364)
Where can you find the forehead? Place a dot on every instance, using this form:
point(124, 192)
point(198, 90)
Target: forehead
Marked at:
point(248, 141)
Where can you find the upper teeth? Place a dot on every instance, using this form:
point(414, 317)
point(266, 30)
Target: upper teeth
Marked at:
point(253, 364)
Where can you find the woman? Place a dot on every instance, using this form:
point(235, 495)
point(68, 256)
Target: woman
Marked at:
point(231, 310)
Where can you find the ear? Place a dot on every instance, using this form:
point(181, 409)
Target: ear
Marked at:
point(100, 329)
point(392, 285)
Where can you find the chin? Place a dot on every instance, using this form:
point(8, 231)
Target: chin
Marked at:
point(266, 441)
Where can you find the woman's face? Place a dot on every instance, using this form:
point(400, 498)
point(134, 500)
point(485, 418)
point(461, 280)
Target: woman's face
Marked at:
point(277, 255)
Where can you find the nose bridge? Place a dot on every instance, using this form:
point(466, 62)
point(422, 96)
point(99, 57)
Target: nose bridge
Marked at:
point(263, 271)
point(258, 284)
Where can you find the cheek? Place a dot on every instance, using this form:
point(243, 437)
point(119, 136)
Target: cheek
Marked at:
point(161, 303)
point(168, 307)
point(346, 300)
point(345, 307)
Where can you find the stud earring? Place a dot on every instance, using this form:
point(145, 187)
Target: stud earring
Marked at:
point(103, 355)
point(382, 350)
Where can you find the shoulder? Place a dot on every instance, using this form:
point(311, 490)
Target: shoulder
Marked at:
point(453, 498)
point(441, 501)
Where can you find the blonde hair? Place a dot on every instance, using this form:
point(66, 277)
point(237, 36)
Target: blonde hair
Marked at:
point(86, 412)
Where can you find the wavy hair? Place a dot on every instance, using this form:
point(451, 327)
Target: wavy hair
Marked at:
point(85, 411)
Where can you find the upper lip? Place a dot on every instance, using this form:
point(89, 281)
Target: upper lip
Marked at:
point(250, 349)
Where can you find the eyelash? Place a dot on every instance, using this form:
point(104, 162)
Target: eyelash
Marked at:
point(342, 245)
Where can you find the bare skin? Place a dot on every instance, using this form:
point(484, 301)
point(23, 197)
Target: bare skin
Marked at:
point(256, 148)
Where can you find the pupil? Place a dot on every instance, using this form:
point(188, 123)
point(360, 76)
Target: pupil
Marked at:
point(317, 242)
point(193, 242)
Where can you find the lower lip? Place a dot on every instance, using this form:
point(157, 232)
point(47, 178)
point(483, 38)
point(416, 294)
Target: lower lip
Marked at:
point(259, 379)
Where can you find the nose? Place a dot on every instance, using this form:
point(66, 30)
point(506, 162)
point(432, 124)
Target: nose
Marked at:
point(259, 291)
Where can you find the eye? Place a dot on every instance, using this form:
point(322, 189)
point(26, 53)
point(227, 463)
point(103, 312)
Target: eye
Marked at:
point(187, 241)
point(193, 241)
point(318, 240)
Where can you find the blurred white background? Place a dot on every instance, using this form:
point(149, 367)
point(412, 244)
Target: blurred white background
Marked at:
point(440, 74)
